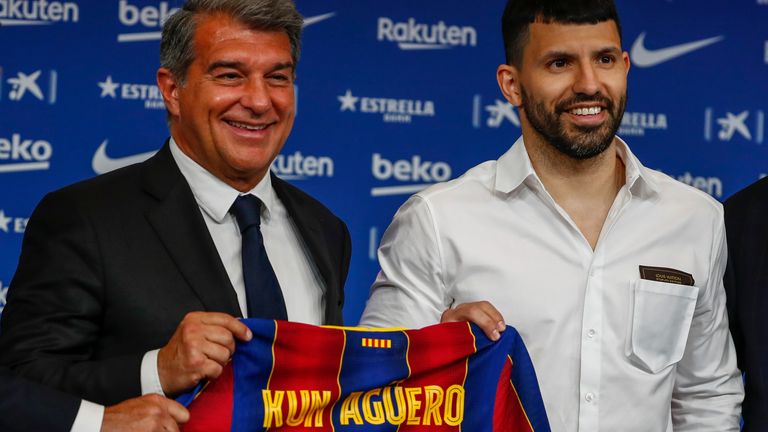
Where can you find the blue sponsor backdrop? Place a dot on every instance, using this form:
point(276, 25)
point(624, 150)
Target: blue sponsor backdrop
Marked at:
point(391, 96)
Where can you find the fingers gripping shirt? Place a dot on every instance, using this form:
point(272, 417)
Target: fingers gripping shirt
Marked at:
point(447, 377)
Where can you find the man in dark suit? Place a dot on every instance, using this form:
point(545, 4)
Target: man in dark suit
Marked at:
point(131, 282)
point(28, 406)
point(746, 286)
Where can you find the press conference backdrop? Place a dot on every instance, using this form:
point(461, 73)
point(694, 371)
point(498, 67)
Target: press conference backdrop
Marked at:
point(391, 97)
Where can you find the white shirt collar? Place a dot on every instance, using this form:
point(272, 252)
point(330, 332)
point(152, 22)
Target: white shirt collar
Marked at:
point(514, 168)
point(213, 195)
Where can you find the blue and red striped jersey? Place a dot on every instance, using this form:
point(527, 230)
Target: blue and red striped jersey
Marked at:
point(447, 377)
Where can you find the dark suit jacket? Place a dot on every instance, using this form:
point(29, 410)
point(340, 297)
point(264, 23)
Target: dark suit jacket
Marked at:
point(746, 285)
point(110, 266)
point(27, 406)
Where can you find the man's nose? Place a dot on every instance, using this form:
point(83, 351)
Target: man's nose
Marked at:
point(587, 81)
point(256, 96)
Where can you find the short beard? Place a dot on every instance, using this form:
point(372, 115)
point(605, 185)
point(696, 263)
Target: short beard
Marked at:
point(586, 142)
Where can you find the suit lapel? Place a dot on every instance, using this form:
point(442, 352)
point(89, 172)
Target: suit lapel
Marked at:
point(310, 226)
point(178, 223)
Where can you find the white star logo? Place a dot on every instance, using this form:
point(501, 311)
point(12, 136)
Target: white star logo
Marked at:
point(348, 101)
point(108, 87)
point(4, 221)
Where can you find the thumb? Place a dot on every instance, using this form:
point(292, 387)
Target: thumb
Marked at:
point(177, 411)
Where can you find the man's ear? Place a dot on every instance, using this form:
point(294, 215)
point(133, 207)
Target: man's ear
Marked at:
point(507, 77)
point(169, 88)
point(627, 63)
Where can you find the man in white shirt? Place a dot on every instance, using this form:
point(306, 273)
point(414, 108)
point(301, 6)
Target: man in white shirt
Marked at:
point(611, 272)
point(131, 283)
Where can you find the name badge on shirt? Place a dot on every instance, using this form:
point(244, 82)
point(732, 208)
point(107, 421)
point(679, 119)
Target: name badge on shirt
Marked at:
point(667, 275)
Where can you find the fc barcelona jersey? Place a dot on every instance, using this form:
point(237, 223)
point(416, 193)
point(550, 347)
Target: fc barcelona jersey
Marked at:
point(447, 377)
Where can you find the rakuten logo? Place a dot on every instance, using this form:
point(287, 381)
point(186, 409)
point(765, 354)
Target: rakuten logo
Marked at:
point(17, 154)
point(151, 17)
point(37, 12)
point(297, 166)
point(710, 185)
point(411, 35)
point(413, 170)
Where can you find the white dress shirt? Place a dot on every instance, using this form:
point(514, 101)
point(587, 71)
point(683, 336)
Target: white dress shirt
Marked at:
point(612, 351)
point(299, 279)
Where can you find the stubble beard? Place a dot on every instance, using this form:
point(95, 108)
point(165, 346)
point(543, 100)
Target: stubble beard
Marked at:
point(579, 142)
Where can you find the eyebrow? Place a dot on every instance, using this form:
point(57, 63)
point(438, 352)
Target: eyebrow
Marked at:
point(234, 64)
point(569, 54)
point(609, 50)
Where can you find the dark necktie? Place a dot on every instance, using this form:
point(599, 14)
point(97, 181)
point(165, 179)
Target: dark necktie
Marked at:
point(262, 291)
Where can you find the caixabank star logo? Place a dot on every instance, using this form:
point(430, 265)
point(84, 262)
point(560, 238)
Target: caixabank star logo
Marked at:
point(493, 114)
point(734, 125)
point(28, 85)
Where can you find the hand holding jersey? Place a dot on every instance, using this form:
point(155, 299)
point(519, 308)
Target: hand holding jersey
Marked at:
point(150, 413)
point(199, 349)
point(481, 313)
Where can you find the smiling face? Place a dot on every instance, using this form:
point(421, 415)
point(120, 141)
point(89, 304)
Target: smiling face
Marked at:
point(571, 86)
point(235, 109)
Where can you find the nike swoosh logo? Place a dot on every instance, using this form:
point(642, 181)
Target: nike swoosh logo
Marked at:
point(102, 163)
point(644, 57)
point(317, 18)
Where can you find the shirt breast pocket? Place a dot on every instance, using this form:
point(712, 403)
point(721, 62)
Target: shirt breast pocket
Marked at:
point(660, 318)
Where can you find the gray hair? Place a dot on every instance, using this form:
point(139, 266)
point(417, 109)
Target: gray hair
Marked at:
point(177, 47)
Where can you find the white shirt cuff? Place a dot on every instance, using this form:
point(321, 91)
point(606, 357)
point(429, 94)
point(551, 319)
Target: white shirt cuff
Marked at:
point(150, 377)
point(89, 417)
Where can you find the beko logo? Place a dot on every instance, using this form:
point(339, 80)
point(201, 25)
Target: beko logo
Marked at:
point(17, 154)
point(421, 172)
point(153, 17)
point(147, 17)
point(37, 12)
point(411, 35)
